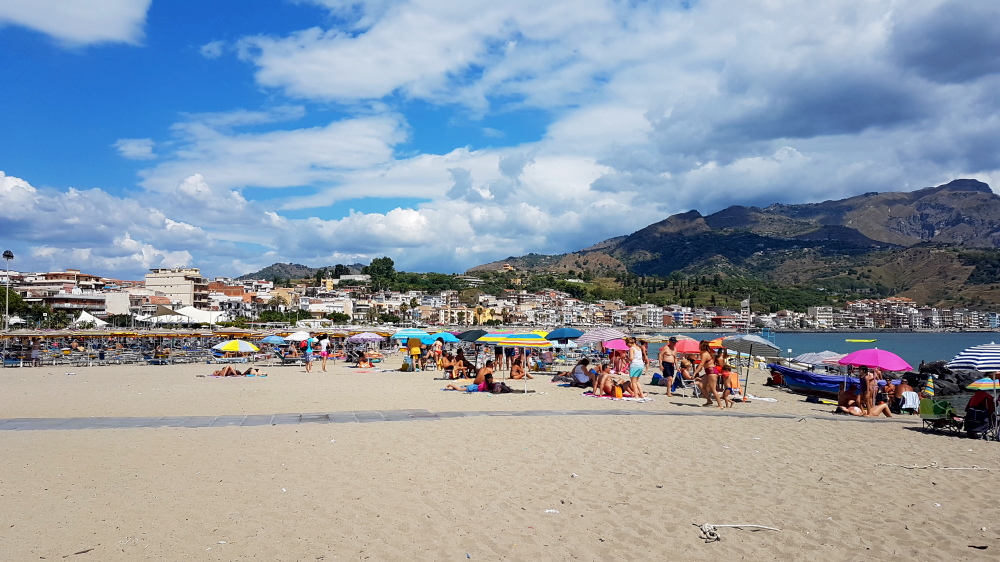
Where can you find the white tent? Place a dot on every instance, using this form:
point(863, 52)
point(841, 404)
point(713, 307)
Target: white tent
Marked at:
point(87, 317)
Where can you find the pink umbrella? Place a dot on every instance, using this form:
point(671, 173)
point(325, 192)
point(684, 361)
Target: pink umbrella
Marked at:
point(618, 344)
point(885, 360)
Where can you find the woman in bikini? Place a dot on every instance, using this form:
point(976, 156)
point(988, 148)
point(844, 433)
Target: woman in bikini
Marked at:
point(709, 382)
point(517, 370)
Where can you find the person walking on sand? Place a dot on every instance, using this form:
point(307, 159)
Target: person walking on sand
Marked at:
point(710, 380)
point(309, 353)
point(636, 367)
point(668, 363)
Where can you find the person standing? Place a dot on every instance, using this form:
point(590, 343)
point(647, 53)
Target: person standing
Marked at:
point(438, 348)
point(668, 363)
point(636, 367)
point(324, 349)
point(710, 380)
point(310, 342)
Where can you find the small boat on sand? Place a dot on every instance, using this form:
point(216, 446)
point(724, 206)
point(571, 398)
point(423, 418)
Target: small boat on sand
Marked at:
point(810, 383)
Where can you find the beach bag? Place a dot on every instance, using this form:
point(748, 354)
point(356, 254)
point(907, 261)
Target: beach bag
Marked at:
point(618, 392)
point(303, 344)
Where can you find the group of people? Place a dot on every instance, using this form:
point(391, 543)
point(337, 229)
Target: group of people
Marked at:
point(609, 381)
point(712, 373)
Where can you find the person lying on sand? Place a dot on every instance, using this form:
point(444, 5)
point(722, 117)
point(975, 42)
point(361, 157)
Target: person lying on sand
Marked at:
point(474, 387)
point(227, 371)
point(254, 371)
point(873, 412)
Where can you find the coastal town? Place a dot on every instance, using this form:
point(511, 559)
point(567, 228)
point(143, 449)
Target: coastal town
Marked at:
point(184, 296)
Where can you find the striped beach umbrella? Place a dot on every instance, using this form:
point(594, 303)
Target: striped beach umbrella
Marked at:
point(929, 387)
point(985, 383)
point(525, 340)
point(983, 358)
point(236, 345)
point(494, 338)
point(601, 335)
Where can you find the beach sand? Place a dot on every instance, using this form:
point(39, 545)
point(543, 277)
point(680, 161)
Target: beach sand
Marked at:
point(482, 487)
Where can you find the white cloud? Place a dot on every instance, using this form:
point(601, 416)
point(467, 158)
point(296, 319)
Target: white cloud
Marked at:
point(80, 22)
point(135, 149)
point(649, 109)
point(212, 49)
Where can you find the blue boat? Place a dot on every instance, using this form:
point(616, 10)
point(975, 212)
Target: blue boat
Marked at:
point(810, 383)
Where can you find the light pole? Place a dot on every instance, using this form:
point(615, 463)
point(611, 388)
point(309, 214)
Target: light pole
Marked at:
point(7, 256)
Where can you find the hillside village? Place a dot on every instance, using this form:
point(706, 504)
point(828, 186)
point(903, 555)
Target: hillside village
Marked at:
point(185, 296)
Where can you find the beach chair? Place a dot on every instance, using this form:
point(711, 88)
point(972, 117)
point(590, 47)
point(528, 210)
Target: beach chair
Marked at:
point(685, 386)
point(939, 415)
point(285, 360)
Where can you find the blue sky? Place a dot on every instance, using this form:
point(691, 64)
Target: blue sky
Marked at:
point(229, 135)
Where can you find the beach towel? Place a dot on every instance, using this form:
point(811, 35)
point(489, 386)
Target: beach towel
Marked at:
point(911, 400)
point(628, 397)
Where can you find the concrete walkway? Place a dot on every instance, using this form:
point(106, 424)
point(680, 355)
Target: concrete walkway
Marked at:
point(365, 416)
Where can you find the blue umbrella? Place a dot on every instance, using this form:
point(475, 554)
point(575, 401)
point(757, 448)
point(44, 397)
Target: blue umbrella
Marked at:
point(274, 339)
point(564, 334)
point(447, 337)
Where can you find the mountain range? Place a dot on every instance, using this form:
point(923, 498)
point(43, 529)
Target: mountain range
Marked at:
point(938, 245)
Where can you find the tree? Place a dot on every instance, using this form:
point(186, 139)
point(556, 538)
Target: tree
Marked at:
point(382, 271)
point(339, 317)
point(320, 274)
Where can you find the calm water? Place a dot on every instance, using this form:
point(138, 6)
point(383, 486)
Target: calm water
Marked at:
point(913, 347)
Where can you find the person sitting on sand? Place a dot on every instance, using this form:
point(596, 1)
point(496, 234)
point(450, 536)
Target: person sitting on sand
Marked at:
point(459, 369)
point(474, 387)
point(605, 382)
point(848, 395)
point(447, 366)
point(582, 377)
point(363, 361)
point(486, 370)
point(881, 409)
point(517, 371)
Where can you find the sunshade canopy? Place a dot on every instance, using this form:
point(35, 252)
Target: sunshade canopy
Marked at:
point(876, 357)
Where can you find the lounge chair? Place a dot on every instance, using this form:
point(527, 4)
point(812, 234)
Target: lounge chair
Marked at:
point(286, 360)
point(938, 415)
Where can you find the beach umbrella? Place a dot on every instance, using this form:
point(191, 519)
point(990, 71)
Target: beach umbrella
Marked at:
point(471, 335)
point(601, 335)
point(929, 387)
point(528, 340)
point(985, 383)
point(236, 345)
point(748, 344)
point(365, 337)
point(493, 337)
point(819, 358)
point(983, 358)
point(885, 360)
point(447, 337)
point(407, 333)
point(688, 346)
point(277, 340)
point(619, 345)
point(564, 334)
point(298, 336)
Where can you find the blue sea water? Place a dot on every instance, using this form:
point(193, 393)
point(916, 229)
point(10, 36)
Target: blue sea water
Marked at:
point(913, 347)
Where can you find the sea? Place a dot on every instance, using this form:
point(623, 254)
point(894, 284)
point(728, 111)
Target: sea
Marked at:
point(914, 347)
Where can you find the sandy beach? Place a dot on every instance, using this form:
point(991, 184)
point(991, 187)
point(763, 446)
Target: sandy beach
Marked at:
point(550, 475)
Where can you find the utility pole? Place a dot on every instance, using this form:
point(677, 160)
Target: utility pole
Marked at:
point(7, 256)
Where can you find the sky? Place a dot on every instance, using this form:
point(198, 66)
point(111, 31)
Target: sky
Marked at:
point(233, 134)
